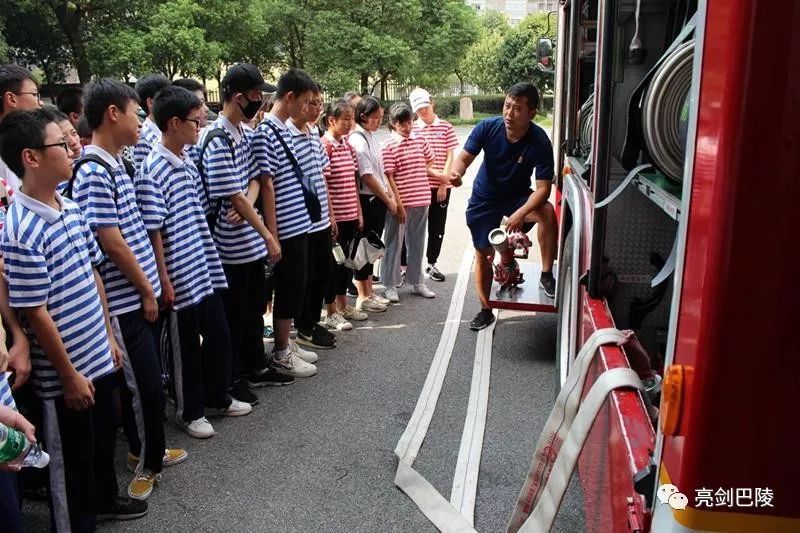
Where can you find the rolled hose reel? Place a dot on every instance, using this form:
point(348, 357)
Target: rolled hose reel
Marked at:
point(665, 111)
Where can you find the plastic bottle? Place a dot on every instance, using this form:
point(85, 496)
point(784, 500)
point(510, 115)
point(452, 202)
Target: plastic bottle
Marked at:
point(15, 449)
point(338, 253)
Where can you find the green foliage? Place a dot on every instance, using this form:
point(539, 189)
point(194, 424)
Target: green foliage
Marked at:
point(121, 54)
point(480, 62)
point(516, 59)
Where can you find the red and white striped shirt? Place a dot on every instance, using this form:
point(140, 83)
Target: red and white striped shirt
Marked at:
point(441, 137)
point(406, 159)
point(341, 178)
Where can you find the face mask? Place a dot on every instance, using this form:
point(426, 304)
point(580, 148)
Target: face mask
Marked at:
point(252, 107)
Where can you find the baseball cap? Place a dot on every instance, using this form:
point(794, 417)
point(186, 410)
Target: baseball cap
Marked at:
point(244, 77)
point(419, 98)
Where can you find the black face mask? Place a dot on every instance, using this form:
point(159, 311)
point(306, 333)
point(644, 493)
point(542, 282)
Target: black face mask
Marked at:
point(252, 107)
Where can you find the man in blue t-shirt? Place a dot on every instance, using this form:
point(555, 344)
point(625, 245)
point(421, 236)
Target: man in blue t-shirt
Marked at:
point(513, 147)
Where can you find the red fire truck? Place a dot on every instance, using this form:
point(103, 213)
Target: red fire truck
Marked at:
point(683, 115)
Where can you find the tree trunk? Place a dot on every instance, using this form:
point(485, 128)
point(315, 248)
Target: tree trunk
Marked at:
point(70, 22)
point(365, 83)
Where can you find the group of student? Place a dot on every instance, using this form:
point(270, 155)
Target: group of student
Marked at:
point(143, 253)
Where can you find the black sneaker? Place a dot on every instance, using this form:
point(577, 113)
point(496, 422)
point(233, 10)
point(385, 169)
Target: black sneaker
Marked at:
point(376, 279)
point(123, 509)
point(318, 338)
point(352, 291)
point(483, 319)
point(548, 283)
point(432, 272)
point(239, 391)
point(268, 378)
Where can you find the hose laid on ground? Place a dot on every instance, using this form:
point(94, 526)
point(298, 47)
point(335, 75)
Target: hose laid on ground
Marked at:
point(665, 111)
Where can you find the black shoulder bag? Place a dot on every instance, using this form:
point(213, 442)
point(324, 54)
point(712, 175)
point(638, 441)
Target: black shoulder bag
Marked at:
point(216, 133)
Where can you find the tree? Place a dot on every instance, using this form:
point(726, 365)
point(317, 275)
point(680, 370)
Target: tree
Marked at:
point(121, 54)
point(480, 63)
point(516, 59)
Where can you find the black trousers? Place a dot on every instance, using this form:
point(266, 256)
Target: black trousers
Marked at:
point(319, 267)
point(374, 213)
point(341, 275)
point(10, 512)
point(201, 372)
point(81, 447)
point(437, 220)
point(142, 395)
point(244, 307)
point(290, 278)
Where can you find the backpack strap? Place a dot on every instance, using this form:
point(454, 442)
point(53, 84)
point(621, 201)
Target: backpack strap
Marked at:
point(94, 158)
point(215, 133)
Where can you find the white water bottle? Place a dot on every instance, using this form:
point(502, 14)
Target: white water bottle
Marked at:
point(15, 449)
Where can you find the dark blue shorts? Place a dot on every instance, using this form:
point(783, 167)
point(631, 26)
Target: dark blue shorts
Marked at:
point(483, 217)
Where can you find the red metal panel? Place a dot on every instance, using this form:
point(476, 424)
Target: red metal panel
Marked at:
point(620, 441)
point(740, 287)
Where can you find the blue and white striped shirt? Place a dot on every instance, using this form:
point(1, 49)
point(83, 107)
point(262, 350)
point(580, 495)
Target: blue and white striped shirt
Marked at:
point(49, 256)
point(312, 157)
point(149, 137)
point(166, 189)
point(6, 397)
point(94, 190)
point(227, 175)
point(290, 208)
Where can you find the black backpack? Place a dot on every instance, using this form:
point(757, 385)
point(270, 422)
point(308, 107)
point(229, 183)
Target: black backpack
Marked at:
point(216, 133)
point(94, 158)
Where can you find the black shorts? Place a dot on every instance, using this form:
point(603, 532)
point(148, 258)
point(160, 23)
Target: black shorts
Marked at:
point(290, 278)
point(483, 217)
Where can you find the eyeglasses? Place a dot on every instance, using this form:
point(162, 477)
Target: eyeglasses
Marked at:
point(62, 144)
point(196, 122)
point(38, 97)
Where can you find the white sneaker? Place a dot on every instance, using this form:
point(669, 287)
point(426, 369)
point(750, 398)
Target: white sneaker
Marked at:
point(293, 366)
point(236, 408)
point(336, 321)
point(380, 299)
point(370, 306)
point(423, 290)
point(391, 295)
point(351, 313)
point(402, 279)
point(305, 355)
point(199, 429)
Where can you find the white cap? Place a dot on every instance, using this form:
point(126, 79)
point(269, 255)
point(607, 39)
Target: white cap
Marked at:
point(419, 98)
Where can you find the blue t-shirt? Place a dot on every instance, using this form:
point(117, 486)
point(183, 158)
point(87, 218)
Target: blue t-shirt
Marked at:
point(507, 167)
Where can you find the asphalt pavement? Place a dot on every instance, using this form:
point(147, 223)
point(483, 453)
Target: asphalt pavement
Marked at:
point(318, 455)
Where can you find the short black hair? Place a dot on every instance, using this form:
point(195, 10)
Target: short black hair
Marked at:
point(83, 128)
point(400, 112)
point(11, 78)
point(352, 95)
point(295, 81)
point(191, 85)
point(172, 102)
point(366, 106)
point(55, 113)
point(70, 100)
point(337, 108)
point(19, 131)
point(101, 94)
point(148, 86)
point(528, 90)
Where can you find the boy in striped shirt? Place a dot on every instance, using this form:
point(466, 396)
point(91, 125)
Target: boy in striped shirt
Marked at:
point(50, 253)
point(130, 275)
point(243, 241)
point(442, 139)
point(408, 161)
point(189, 268)
point(147, 88)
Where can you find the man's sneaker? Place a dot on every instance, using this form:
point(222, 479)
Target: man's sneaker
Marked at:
point(123, 509)
point(402, 279)
point(336, 321)
point(172, 456)
point(141, 486)
point(199, 429)
point(293, 366)
point(548, 283)
point(423, 290)
point(482, 320)
point(352, 291)
point(269, 334)
point(268, 378)
point(391, 295)
point(236, 408)
point(351, 313)
point(376, 279)
point(240, 392)
point(380, 299)
point(305, 355)
point(315, 339)
point(432, 272)
point(368, 305)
